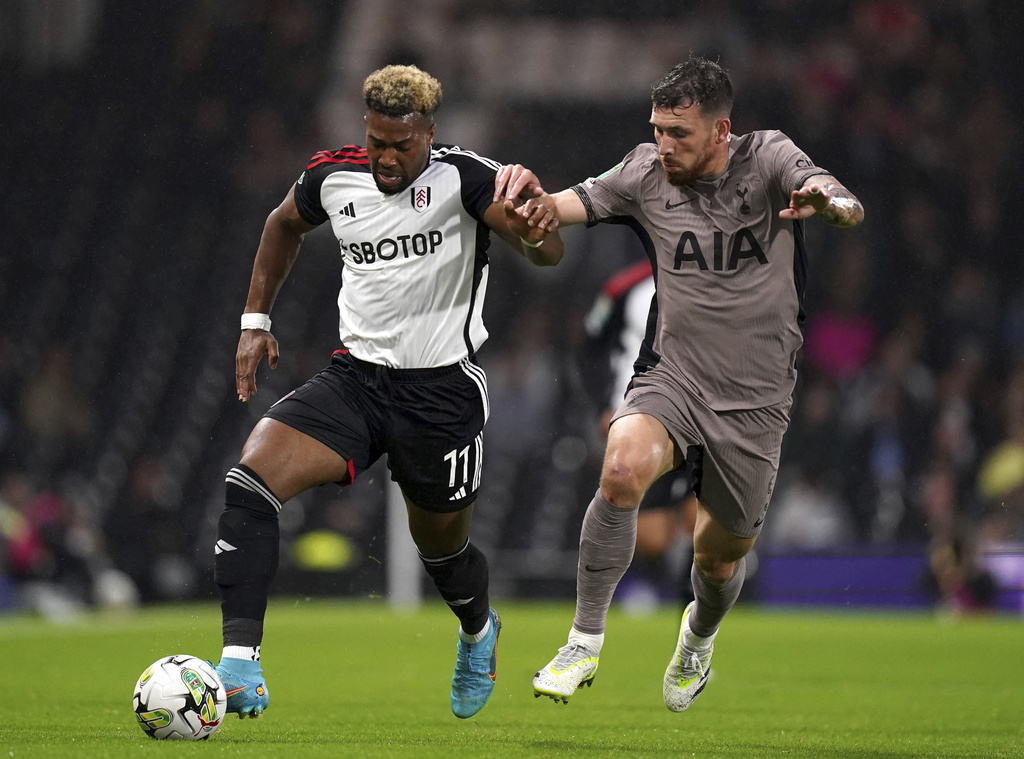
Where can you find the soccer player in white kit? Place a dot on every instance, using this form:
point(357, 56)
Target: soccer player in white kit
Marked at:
point(413, 223)
point(721, 217)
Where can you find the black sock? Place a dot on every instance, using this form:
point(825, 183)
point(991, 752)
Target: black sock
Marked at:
point(462, 580)
point(248, 545)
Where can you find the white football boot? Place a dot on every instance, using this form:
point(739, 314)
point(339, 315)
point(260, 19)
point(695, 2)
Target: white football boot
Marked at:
point(687, 673)
point(574, 666)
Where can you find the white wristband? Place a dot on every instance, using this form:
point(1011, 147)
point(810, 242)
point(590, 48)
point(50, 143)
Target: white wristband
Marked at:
point(256, 321)
point(529, 244)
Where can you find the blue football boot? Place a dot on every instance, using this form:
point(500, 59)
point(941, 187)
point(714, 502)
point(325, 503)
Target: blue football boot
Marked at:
point(476, 667)
point(245, 686)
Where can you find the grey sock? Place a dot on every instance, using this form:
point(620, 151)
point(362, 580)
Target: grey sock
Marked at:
point(713, 601)
point(607, 541)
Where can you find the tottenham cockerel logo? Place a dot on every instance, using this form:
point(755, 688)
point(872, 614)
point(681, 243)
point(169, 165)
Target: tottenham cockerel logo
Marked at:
point(420, 198)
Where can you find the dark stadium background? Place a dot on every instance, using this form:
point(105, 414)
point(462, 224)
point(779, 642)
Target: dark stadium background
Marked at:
point(143, 144)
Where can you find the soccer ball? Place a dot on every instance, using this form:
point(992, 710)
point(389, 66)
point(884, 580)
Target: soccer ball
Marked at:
point(181, 698)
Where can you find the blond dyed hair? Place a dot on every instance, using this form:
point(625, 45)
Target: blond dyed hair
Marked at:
point(396, 91)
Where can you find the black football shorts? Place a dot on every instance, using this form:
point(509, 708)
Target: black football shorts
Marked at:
point(429, 422)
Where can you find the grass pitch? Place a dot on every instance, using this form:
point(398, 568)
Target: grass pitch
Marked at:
point(357, 679)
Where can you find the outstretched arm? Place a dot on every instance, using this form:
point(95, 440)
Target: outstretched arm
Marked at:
point(278, 249)
point(825, 196)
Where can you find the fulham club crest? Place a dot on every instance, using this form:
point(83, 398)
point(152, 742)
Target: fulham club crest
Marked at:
point(420, 198)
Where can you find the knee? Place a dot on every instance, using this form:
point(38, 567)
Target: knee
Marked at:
point(622, 485)
point(439, 534)
point(246, 491)
point(717, 570)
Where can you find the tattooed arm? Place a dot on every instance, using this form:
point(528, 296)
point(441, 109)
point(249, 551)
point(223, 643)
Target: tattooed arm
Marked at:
point(825, 196)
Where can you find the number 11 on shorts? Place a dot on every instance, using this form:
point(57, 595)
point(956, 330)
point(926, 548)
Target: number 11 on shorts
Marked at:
point(452, 457)
point(462, 462)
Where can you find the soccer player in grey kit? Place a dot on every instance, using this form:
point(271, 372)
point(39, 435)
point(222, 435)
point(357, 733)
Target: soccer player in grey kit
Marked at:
point(721, 217)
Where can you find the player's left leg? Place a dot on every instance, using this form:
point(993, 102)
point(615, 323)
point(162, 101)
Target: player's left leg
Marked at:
point(717, 577)
point(434, 431)
point(734, 475)
point(459, 571)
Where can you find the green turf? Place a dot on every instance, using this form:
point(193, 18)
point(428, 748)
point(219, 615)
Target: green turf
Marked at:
point(356, 679)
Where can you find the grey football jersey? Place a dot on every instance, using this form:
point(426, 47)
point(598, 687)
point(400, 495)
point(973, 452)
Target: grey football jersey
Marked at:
point(730, 273)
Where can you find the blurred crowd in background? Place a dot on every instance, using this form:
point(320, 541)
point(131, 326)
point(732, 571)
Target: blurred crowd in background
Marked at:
point(145, 143)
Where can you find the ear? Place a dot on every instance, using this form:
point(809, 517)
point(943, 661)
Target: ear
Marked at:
point(722, 127)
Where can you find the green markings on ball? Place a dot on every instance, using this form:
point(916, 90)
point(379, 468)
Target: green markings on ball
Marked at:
point(194, 682)
point(153, 720)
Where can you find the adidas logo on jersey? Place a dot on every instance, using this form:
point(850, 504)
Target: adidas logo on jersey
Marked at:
point(349, 210)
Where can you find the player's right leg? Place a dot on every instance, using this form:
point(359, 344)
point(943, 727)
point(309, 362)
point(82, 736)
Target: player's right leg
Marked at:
point(278, 462)
point(245, 560)
point(639, 451)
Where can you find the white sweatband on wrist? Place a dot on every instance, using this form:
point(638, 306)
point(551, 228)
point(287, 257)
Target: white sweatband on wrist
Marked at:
point(529, 244)
point(256, 321)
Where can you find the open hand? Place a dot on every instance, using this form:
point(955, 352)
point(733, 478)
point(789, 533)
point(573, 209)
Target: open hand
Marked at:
point(253, 345)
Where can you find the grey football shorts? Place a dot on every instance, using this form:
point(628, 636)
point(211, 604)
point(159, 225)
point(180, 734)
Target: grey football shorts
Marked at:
point(734, 454)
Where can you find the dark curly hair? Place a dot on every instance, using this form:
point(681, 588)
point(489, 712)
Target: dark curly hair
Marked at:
point(696, 81)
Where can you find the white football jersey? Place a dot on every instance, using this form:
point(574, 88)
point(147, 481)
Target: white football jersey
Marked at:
point(415, 262)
